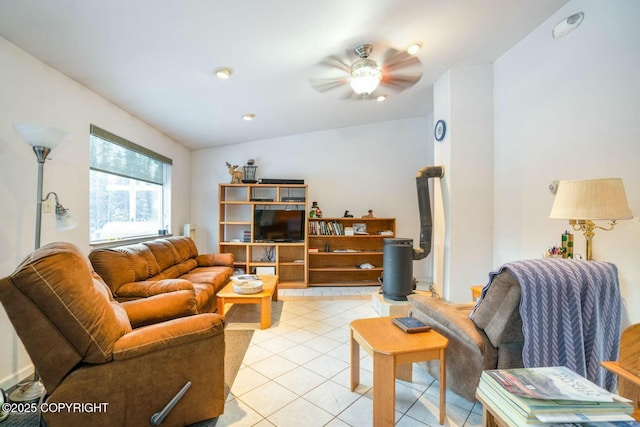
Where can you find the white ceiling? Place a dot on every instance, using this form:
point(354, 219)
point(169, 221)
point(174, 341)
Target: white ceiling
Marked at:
point(155, 58)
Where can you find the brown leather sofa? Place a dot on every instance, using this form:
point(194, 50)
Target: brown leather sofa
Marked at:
point(87, 351)
point(163, 265)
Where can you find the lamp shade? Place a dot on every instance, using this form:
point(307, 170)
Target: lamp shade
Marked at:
point(39, 135)
point(591, 199)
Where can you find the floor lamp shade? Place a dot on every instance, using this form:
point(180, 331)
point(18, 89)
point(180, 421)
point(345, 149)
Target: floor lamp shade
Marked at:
point(40, 136)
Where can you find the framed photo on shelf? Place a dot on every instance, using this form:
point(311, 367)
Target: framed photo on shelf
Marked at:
point(359, 228)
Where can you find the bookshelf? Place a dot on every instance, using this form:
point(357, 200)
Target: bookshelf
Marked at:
point(237, 206)
point(333, 257)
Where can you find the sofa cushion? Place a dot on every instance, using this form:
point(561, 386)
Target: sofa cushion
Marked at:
point(185, 247)
point(210, 260)
point(59, 280)
point(164, 252)
point(213, 276)
point(124, 264)
point(497, 312)
point(186, 266)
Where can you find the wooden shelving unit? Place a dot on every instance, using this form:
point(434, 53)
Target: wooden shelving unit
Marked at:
point(338, 256)
point(237, 204)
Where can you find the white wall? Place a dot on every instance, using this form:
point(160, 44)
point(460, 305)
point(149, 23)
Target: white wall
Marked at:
point(570, 109)
point(32, 92)
point(356, 168)
point(463, 98)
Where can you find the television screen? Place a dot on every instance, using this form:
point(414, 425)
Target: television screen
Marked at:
point(278, 225)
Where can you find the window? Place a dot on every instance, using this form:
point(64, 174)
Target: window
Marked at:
point(129, 189)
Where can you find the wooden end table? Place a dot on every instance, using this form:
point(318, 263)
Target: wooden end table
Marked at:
point(490, 417)
point(476, 292)
point(268, 293)
point(393, 351)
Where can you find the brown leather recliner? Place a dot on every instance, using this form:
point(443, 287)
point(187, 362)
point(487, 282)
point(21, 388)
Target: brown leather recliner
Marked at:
point(85, 349)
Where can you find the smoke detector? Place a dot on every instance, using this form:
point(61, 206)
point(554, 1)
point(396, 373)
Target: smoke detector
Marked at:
point(567, 25)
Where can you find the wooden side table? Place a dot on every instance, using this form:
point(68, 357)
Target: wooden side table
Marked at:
point(263, 298)
point(491, 417)
point(476, 292)
point(393, 351)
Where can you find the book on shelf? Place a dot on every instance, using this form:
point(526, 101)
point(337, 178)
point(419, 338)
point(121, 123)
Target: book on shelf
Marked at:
point(556, 394)
point(410, 324)
point(326, 228)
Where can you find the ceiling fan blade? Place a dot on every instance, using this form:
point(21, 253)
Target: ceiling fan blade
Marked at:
point(324, 85)
point(394, 59)
point(401, 61)
point(400, 82)
point(334, 61)
point(350, 94)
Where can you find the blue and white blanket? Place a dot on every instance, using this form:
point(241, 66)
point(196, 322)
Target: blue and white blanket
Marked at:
point(570, 315)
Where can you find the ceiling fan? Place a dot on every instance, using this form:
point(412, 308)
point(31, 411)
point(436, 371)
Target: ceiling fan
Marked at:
point(364, 77)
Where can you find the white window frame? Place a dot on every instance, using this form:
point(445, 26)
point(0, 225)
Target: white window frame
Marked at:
point(132, 147)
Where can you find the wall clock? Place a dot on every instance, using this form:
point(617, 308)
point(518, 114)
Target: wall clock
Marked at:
point(439, 130)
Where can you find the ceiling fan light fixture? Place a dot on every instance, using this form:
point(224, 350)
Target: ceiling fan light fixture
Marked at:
point(248, 117)
point(365, 76)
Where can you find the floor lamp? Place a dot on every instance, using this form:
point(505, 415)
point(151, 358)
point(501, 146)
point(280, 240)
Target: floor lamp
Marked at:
point(43, 139)
point(583, 201)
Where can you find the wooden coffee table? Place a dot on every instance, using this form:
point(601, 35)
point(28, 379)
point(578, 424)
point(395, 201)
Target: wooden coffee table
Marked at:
point(393, 351)
point(269, 292)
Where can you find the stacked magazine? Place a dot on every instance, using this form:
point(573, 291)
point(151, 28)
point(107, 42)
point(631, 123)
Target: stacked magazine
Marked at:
point(551, 395)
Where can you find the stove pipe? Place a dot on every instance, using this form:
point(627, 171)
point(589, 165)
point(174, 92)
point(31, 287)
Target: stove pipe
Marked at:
point(398, 281)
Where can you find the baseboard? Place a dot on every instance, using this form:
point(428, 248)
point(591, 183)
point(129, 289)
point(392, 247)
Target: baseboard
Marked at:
point(10, 381)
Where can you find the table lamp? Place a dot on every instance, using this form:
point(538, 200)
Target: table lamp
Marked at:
point(583, 201)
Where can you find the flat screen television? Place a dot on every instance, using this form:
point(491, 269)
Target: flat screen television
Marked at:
point(278, 225)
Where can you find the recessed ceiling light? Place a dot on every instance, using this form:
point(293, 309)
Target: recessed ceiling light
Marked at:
point(223, 73)
point(414, 48)
point(248, 117)
point(381, 98)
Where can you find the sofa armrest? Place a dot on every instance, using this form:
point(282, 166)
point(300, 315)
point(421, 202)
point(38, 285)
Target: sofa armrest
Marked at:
point(211, 260)
point(168, 334)
point(148, 288)
point(451, 320)
point(160, 308)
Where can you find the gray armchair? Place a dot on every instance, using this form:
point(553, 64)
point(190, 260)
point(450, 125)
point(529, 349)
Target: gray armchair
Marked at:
point(544, 312)
point(493, 339)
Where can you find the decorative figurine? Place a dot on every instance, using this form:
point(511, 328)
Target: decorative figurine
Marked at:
point(236, 174)
point(347, 215)
point(315, 211)
point(369, 215)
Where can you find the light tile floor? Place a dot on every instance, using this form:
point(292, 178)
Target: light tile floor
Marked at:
point(296, 373)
